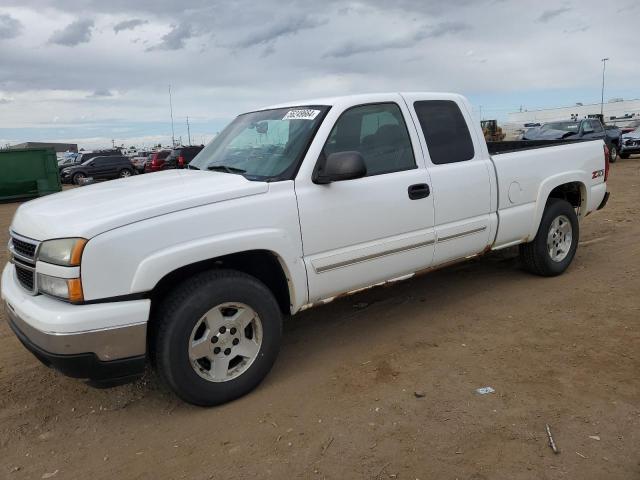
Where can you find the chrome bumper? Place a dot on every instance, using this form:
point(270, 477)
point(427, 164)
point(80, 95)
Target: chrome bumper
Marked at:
point(107, 344)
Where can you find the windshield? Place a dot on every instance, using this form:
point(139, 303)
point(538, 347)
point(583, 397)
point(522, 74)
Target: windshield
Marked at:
point(564, 126)
point(264, 145)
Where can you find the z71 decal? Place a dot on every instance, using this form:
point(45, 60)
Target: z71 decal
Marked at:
point(598, 173)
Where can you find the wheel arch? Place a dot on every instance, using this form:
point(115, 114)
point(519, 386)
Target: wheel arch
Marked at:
point(571, 186)
point(265, 265)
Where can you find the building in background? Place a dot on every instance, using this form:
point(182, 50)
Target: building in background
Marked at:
point(58, 147)
point(616, 111)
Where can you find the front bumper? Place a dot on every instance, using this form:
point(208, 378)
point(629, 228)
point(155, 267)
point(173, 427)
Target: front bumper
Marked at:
point(110, 349)
point(630, 149)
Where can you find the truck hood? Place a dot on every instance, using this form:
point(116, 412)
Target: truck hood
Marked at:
point(93, 209)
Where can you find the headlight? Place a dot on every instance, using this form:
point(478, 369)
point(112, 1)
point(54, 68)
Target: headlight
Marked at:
point(64, 251)
point(65, 288)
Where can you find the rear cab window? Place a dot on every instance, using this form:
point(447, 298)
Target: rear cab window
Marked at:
point(445, 131)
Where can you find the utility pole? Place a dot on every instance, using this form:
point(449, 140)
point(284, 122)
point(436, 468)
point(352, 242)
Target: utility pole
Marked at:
point(173, 135)
point(604, 66)
point(188, 131)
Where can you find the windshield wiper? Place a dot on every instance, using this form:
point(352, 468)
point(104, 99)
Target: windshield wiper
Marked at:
point(191, 167)
point(225, 168)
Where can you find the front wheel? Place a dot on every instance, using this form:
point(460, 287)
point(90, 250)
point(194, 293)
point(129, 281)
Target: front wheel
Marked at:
point(552, 250)
point(78, 178)
point(217, 337)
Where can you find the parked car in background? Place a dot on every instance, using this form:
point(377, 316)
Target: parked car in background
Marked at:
point(140, 161)
point(84, 156)
point(99, 168)
point(156, 161)
point(630, 143)
point(631, 126)
point(181, 156)
point(585, 129)
point(68, 159)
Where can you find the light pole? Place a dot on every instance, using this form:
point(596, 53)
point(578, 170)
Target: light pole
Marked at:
point(173, 135)
point(604, 66)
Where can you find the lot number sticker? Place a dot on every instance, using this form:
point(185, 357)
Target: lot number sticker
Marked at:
point(301, 114)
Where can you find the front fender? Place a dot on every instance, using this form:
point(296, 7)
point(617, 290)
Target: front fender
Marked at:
point(162, 262)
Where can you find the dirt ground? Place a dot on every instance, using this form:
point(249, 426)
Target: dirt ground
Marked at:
point(341, 400)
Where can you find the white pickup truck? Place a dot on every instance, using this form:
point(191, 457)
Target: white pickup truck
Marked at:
point(290, 206)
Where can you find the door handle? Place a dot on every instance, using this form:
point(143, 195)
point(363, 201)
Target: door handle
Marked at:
point(418, 191)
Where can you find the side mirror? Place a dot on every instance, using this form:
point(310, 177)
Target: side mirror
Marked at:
point(340, 166)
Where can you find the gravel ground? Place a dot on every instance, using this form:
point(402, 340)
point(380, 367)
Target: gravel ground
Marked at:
point(341, 400)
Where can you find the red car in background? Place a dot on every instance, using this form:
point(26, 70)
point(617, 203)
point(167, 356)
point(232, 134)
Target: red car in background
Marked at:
point(156, 161)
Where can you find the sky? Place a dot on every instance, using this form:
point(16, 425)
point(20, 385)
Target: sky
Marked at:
point(93, 71)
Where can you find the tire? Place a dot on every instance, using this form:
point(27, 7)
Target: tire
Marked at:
point(125, 173)
point(182, 316)
point(624, 156)
point(77, 177)
point(536, 255)
point(613, 153)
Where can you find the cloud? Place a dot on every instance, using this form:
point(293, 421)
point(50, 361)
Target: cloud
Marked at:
point(175, 39)
point(349, 49)
point(548, 15)
point(100, 93)
point(73, 34)
point(4, 101)
point(129, 24)
point(283, 28)
point(9, 27)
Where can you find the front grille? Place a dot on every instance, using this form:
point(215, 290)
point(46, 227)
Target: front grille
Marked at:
point(24, 258)
point(25, 277)
point(24, 248)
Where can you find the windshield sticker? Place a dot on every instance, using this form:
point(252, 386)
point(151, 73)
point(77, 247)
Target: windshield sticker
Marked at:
point(301, 114)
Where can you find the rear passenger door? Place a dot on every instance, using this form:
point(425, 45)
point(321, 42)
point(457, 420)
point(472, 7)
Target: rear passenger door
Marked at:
point(359, 232)
point(461, 177)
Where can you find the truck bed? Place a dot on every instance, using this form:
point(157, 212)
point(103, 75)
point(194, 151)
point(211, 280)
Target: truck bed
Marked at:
point(496, 148)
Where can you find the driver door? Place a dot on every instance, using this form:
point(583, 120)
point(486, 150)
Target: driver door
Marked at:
point(363, 231)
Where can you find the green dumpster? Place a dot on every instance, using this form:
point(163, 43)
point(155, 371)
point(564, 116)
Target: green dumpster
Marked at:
point(31, 172)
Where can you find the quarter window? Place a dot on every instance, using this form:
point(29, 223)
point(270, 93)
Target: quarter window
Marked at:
point(378, 132)
point(445, 131)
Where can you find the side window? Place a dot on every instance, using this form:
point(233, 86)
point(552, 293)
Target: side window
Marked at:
point(445, 130)
point(596, 125)
point(379, 133)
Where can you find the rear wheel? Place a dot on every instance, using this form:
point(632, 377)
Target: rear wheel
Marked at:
point(125, 172)
point(217, 337)
point(552, 250)
point(613, 153)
